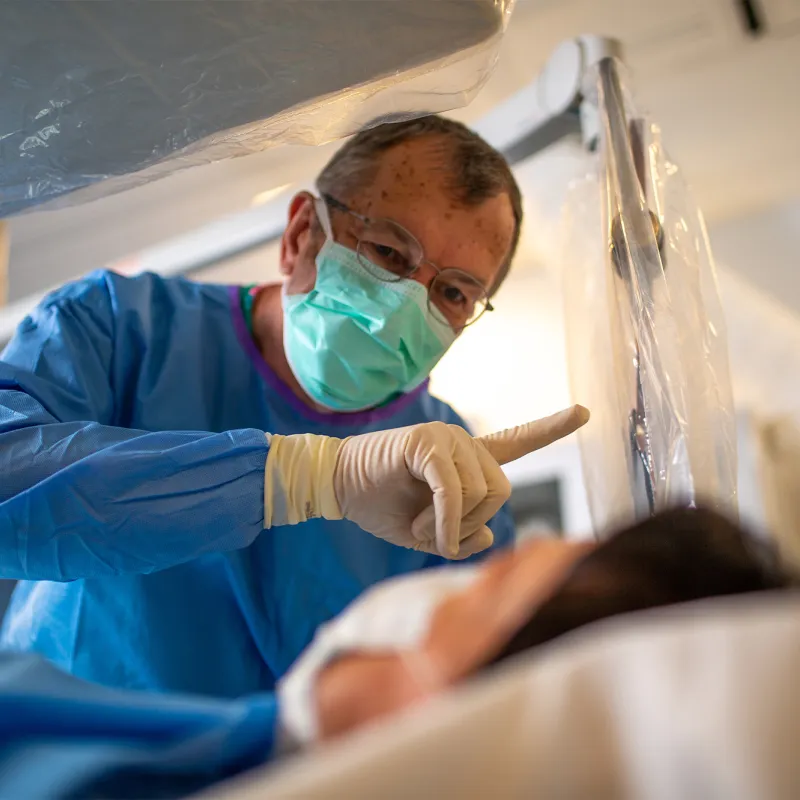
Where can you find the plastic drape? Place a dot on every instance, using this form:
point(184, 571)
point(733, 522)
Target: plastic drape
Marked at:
point(105, 96)
point(645, 331)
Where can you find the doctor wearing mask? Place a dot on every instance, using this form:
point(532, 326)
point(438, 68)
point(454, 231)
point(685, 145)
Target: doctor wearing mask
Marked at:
point(194, 477)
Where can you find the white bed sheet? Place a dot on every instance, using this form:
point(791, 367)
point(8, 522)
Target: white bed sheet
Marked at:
point(694, 703)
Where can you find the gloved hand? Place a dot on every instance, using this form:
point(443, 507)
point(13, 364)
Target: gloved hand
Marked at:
point(430, 487)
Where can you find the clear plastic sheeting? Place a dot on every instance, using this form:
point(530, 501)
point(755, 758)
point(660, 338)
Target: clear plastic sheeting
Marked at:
point(101, 97)
point(646, 335)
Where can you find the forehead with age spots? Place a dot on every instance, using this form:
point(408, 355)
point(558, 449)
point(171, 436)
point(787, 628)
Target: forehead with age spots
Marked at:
point(413, 184)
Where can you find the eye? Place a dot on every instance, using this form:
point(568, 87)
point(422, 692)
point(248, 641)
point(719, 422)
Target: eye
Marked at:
point(388, 257)
point(454, 296)
point(384, 251)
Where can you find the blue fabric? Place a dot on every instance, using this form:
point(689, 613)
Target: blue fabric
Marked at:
point(61, 737)
point(132, 454)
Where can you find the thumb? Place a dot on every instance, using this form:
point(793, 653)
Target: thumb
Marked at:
point(513, 443)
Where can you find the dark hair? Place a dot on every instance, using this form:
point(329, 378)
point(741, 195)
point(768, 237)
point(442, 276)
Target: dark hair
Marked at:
point(477, 172)
point(675, 557)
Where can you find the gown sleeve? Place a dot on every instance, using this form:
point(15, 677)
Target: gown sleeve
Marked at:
point(62, 737)
point(81, 498)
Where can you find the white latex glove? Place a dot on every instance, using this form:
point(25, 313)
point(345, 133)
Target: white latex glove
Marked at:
point(430, 487)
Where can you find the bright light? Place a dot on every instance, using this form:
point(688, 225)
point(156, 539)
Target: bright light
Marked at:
point(511, 366)
point(262, 198)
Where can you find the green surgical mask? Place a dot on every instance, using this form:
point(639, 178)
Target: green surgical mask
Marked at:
point(353, 342)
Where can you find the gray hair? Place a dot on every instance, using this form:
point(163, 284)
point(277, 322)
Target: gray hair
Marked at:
point(477, 172)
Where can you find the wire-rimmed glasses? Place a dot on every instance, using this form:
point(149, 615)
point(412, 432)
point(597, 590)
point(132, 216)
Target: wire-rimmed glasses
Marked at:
point(391, 253)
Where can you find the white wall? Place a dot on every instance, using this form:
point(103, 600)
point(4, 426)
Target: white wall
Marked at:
point(510, 367)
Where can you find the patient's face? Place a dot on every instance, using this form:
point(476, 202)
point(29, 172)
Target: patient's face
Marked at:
point(469, 626)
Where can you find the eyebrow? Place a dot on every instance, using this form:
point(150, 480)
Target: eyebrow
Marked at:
point(340, 206)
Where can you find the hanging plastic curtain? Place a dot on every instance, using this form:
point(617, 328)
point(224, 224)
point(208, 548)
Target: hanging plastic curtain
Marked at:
point(645, 331)
point(100, 97)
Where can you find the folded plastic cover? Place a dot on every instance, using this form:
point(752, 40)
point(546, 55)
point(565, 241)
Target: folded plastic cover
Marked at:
point(646, 335)
point(110, 95)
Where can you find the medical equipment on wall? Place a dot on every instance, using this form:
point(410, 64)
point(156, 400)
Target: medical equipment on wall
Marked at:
point(100, 97)
point(645, 332)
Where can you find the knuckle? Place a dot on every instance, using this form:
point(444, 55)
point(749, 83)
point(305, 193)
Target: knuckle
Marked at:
point(473, 496)
point(436, 429)
point(476, 485)
point(458, 433)
point(503, 486)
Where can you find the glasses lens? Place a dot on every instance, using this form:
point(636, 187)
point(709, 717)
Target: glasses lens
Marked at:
point(388, 251)
point(458, 296)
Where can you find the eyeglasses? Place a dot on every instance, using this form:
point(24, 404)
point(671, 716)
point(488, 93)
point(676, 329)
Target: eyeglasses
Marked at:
point(391, 253)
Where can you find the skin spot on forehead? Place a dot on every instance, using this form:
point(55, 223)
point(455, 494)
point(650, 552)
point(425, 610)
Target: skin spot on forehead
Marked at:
point(412, 186)
point(500, 240)
point(409, 166)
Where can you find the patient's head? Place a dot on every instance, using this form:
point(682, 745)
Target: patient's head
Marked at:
point(675, 557)
point(524, 598)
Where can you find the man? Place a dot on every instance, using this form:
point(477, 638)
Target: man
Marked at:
point(414, 637)
point(151, 429)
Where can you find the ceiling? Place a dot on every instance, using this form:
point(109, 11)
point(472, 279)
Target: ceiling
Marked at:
point(723, 98)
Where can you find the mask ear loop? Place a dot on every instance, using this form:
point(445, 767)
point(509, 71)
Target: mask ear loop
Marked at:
point(321, 210)
point(324, 217)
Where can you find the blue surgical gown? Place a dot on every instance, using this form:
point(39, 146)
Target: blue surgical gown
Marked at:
point(61, 737)
point(132, 452)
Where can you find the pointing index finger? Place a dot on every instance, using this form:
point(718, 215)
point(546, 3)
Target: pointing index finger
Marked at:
point(513, 443)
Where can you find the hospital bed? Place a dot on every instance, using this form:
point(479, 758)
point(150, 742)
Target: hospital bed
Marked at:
point(660, 705)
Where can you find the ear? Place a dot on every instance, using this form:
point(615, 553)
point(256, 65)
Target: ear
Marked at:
point(298, 230)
